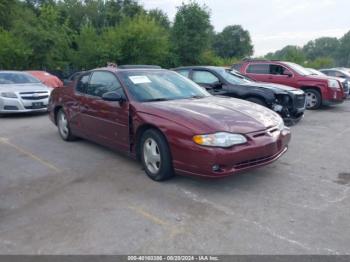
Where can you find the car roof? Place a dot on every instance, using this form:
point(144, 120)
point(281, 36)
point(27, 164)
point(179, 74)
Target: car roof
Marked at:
point(14, 72)
point(116, 69)
point(199, 67)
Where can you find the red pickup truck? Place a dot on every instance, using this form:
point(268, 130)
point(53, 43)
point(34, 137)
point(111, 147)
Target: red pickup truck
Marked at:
point(319, 90)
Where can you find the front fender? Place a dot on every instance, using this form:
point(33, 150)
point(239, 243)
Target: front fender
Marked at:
point(178, 136)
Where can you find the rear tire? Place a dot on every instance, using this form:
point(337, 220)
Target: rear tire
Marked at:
point(63, 126)
point(313, 99)
point(257, 100)
point(155, 155)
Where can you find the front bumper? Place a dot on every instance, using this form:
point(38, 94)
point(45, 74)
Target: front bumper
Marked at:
point(263, 148)
point(19, 105)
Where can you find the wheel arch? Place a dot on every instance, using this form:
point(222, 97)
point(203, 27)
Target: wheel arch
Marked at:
point(316, 88)
point(55, 112)
point(140, 131)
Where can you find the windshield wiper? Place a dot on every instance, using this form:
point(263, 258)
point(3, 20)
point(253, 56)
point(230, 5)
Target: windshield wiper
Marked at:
point(196, 96)
point(157, 99)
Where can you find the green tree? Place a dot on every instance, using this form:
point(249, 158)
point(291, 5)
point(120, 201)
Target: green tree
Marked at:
point(233, 41)
point(343, 54)
point(289, 53)
point(321, 47)
point(14, 53)
point(139, 40)
point(6, 13)
point(320, 62)
point(90, 52)
point(160, 17)
point(191, 33)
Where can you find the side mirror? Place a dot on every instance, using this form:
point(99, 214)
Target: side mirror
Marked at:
point(287, 73)
point(112, 97)
point(217, 84)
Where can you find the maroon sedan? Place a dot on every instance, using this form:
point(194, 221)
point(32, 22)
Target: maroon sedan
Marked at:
point(168, 122)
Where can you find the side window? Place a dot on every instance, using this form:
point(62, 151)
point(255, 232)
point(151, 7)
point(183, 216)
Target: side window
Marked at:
point(184, 72)
point(204, 77)
point(237, 67)
point(103, 82)
point(83, 83)
point(329, 73)
point(338, 74)
point(258, 69)
point(276, 69)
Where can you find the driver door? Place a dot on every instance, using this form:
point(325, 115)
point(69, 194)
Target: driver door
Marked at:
point(106, 122)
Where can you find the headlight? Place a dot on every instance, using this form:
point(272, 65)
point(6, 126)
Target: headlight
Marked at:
point(220, 139)
point(333, 84)
point(281, 126)
point(8, 94)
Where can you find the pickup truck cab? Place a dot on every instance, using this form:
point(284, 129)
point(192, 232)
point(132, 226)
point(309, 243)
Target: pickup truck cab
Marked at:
point(319, 90)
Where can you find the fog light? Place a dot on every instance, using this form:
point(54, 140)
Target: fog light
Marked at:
point(216, 168)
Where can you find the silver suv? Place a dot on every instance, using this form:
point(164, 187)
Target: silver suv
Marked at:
point(20, 92)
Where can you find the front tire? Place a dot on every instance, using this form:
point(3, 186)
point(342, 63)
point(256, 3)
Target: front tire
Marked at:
point(155, 155)
point(313, 99)
point(63, 126)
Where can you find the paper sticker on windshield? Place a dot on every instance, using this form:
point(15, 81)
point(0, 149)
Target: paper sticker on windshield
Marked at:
point(140, 79)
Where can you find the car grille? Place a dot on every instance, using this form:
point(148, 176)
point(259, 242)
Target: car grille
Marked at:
point(35, 107)
point(34, 95)
point(258, 161)
point(253, 162)
point(299, 101)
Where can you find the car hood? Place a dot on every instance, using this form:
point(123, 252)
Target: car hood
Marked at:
point(271, 86)
point(212, 114)
point(23, 87)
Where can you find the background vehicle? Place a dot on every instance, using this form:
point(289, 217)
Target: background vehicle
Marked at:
point(319, 90)
point(72, 77)
point(339, 73)
point(286, 101)
point(345, 82)
point(21, 92)
point(160, 118)
point(46, 78)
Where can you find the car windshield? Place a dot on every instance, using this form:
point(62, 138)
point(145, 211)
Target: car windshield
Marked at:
point(232, 77)
point(298, 68)
point(17, 78)
point(160, 85)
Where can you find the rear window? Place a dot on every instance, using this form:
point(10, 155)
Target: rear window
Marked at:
point(237, 67)
point(17, 78)
point(258, 69)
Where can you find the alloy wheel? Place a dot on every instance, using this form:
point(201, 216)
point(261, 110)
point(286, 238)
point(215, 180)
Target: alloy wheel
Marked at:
point(311, 100)
point(151, 155)
point(63, 125)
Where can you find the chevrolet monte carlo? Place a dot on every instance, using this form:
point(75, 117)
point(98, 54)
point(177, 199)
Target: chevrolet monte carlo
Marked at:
point(168, 122)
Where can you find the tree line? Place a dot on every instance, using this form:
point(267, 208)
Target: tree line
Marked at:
point(319, 53)
point(68, 35)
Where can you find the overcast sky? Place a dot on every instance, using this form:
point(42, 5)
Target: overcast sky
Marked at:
point(273, 24)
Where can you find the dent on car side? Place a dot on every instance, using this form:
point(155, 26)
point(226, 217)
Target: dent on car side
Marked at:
point(179, 120)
